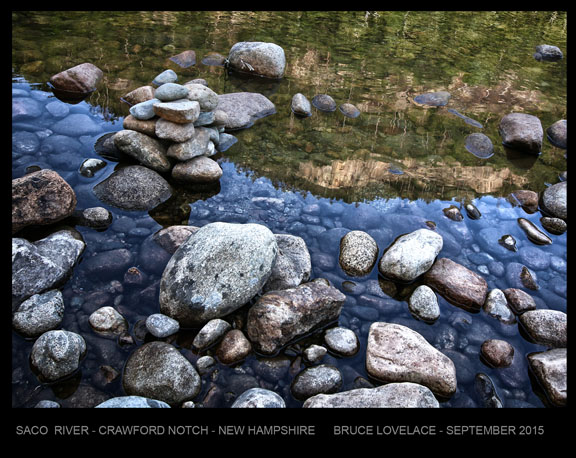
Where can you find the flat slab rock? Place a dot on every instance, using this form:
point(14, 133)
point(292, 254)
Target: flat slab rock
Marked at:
point(244, 108)
point(280, 316)
point(392, 395)
point(457, 284)
point(396, 353)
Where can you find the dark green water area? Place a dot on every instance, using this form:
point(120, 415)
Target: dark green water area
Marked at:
point(387, 172)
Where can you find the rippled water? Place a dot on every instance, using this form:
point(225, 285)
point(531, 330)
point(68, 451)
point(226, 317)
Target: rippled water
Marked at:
point(387, 172)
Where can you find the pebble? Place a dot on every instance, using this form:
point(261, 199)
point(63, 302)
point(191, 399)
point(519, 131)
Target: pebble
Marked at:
point(301, 105)
point(349, 110)
point(519, 300)
point(324, 102)
point(315, 353)
point(161, 325)
point(144, 110)
point(496, 306)
point(498, 353)
point(107, 321)
point(341, 341)
point(316, 380)
point(486, 391)
point(210, 333)
point(534, 234)
point(546, 327)
point(358, 253)
point(57, 354)
point(423, 303)
point(234, 347)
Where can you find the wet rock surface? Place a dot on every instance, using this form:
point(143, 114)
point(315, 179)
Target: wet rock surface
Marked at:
point(358, 253)
point(522, 132)
point(546, 327)
point(57, 354)
point(260, 58)
point(550, 368)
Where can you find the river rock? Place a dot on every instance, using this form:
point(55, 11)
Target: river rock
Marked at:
point(244, 108)
point(25, 108)
point(358, 253)
point(159, 371)
point(197, 145)
point(486, 391)
point(301, 105)
point(457, 284)
point(95, 217)
point(140, 94)
point(42, 198)
point(315, 353)
point(45, 264)
point(496, 306)
point(57, 354)
point(551, 370)
point(171, 237)
point(479, 145)
point(555, 226)
point(258, 398)
point(161, 325)
point(452, 212)
point(38, 314)
point(108, 322)
point(423, 303)
point(498, 353)
point(90, 166)
point(217, 271)
point(171, 91)
point(167, 76)
point(181, 111)
point(316, 380)
point(146, 150)
point(260, 58)
point(554, 200)
point(342, 341)
point(526, 198)
point(519, 300)
point(557, 133)
point(324, 102)
point(206, 97)
point(234, 347)
point(147, 127)
point(108, 264)
point(144, 111)
point(392, 395)
point(293, 265)
point(200, 169)
point(280, 316)
point(508, 242)
point(546, 327)
point(534, 234)
point(410, 255)
point(396, 353)
point(76, 125)
point(548, 53)
point(349, 110)
point(522, 132)
point(433, 99)
point(185, 59)
point(133, 187)
point(81, 78)
point(132, 402)
point(210, 333)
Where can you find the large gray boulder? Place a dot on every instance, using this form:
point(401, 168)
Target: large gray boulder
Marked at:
point(244, 108)
point(45, 264)
point(410, 255)
point(396, 353)
point(134, 188)
point(280, 316)
point(392, 395)
point(157, 370)
point(57, 354)
point(522, 132)
point(216, 271)
point(259, 58)
point(41, 197)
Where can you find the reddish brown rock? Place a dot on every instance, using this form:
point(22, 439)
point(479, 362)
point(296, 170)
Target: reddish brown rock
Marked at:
point(527, 199)
point(519, 300)
point(234, 347)
point(41, 197)
point(81, 78)
point(497, 353)
point(457, 284)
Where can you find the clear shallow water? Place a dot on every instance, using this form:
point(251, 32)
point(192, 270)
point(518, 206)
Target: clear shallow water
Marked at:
point(331, 173)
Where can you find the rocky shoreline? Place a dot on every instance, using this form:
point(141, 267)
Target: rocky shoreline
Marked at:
point(208, 273)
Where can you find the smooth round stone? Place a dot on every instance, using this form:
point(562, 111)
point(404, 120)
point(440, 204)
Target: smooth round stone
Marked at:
point(206, 97)
point(161, 325)
point(557, 133)
point(168, 130)
point(185, 59)
point(534, 234)
point(433, 99)
point(358, 253)
point(171, 91)
point(424, 304)
point(555, 226)
point(197, 170)
point(479, 145)
point(342, 341)
point(90, 166)
point(316, 380)
point(132, 402)
point(167, 76)
point(144, 110)
point(39, 313)
point(25, 142)
point(453, 213)
point(210, 333)
point(57, 354)
point(498, 353)
point(258, 398)
point(107, 321)
point(324, 102)
point(96, 217)
point(349, 110)
point(554, 200)
point(315, 353)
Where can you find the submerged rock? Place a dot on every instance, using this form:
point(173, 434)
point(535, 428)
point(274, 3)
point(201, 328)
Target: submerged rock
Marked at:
point(211, 333)
point(358, 253)
point(433, 99)
point(244, 108)
point(496, 306)
point(479, 145)
point(258, 398)
point(453, 213)
point(498, 353)
point(555, 226)
point(546, 327)
point(185, 59)
point(534, 234)
point(548, 53)
point(396, 353)
point(108, 322)
point(486, 391)
point(392, 395)
point(234, 347)
point(280, 316)
point(551, 370)
point(316, 380)
point(522, 132)
point(410, 255)
point(349, 110)
point(158, 370)
point(217, 271)
point(508, 242)
point(457, 284)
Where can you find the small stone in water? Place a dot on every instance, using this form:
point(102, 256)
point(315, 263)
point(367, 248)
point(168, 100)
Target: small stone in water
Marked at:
point(213, 58)
point(161, 325)
point(324, 102)
point(349, 110)
point(453, 213)
point(472, 211)
point(185, 59)
point(528, 279)
point(479, 145)
point(508, 242)
point(434, 99)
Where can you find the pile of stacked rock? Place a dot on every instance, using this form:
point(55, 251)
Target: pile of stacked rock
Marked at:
point(175, 128)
